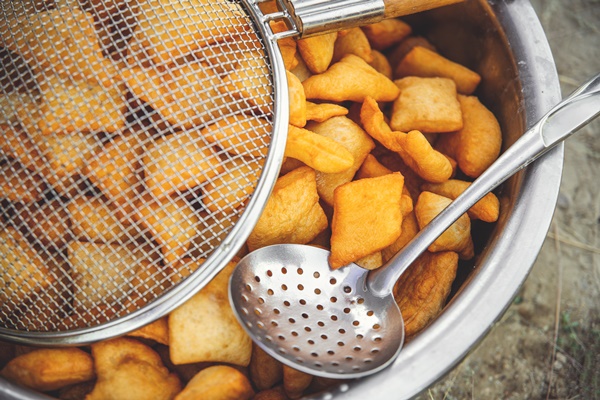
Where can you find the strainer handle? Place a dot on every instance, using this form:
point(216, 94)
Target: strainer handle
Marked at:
point(559, 123)
point(312, 17)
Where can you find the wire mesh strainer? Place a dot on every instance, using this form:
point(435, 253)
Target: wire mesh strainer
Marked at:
point(137, 151)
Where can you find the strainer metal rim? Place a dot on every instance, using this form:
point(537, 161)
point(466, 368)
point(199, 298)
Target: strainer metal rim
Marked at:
point(234, 240)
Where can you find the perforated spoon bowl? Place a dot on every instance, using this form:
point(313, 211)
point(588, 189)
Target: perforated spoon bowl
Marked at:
point(345, 323)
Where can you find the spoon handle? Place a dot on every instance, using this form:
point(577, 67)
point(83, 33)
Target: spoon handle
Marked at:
point(559, 123)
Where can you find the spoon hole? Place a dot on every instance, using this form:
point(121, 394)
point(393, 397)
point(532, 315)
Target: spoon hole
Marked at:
point(269, 273)
point(374, 351)
point(334, 317)
point(368, 361)
point(349, 358)
point(249, 288)
point(305, 315)
point(355, 368)
point(376, 327)
point(281, 337)
point(318, 365)
point(319, 307)
point(314, 354)
point(310, 341)
point(324, 337)
point(284, 270)
point(300, 271)
point(302, 301)
point(317, 291)
point(286, 303)
point(335, 364)
point(360, 300)
point(359, 336)
point(307, 329)
point(276, 311)
point(294, 333)
point(284, 287)
point(274, 323)
point(261, 300)
point(357, 348)
point(281, 351)
point(333, 281)
point(342, 331)
point(370, 313)
point(296, 348)
point(355, 323)
point(270, 292)
point(300, 287)
point(292, 320)
point(298, 359)
point(333, 299)
point(321, 324)
point(341, 344)
point(244, 298)
point(316, 275)
point(330, 352)
point(346, 310)
point(377, 339)
point(257, 278)
point(347, 289)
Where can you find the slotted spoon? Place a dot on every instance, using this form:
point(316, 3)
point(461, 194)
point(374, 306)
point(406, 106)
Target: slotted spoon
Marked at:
point(345, 323)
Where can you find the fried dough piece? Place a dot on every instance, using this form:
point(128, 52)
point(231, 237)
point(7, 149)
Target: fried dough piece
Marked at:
point(457, 237)
point(353, 138)
point(487, 209)
point(381, 64)
point(353, 79)
point(318, 152)
point(367, 217)
point(352, 41)
point(62, 42)
point(413, 147)
point(130, 370)
point(428, 105)
point(233, 186)
point(297, 100)
point(205, 329)
point(477, 145)
point(219, 382)
point(410, 227)
point(46, 222)
point(287, 46)
point(23, 272)
point(168, 30)
point(323, 111)
point(425, 63)
point(18, 184)
point(295, 382)
point(421, 292)
point(179, 162)
point(172, 223)
point(157, 331)
point(292, 213)
point(186, 95)
point(265, 371)
point(117, 171)
point(50, 369)
point(317, 51)
point(386, 33)
point(101, 271)
point(240, 134)
point(70, 105)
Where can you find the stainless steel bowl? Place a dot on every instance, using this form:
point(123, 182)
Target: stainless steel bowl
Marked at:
point(505, 43)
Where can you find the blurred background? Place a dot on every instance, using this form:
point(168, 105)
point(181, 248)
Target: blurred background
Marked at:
point(547, 345)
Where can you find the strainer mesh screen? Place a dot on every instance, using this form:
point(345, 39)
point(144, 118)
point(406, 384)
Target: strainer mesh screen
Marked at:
point(133, 133)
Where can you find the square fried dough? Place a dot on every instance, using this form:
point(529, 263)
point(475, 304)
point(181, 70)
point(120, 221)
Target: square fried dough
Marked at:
point(429, 105)
point(367, 217)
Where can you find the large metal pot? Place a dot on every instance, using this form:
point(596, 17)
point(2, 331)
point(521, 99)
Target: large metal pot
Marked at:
point(505, 43)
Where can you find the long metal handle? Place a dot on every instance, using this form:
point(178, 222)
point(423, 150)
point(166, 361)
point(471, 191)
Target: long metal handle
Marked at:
point(312, 17)
point(558, 124)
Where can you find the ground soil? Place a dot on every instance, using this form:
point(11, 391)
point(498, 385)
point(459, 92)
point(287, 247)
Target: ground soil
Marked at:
point(547, 345)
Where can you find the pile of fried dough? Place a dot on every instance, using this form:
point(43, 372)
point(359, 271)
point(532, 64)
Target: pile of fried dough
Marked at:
point(384, 133)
